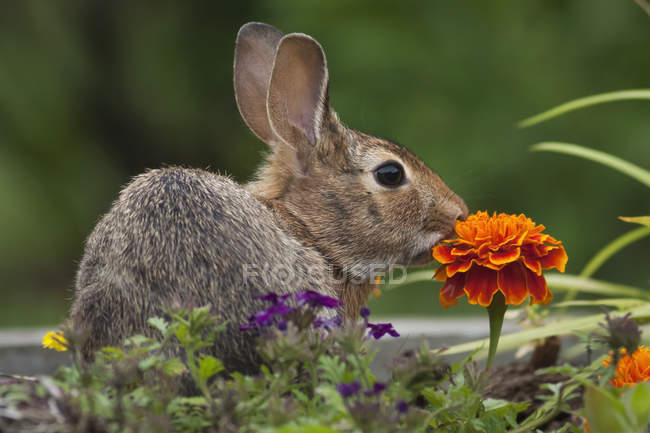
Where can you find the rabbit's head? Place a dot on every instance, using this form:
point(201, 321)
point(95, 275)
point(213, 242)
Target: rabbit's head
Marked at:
point(361, 201)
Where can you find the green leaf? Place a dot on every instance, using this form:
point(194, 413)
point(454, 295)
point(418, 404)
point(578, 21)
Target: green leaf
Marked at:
point(620, 303)
point(113, 353)
point(612, 248)
point(301, 397)
point(414, 277)
point(159, 323)
point(173, 367)
point(601, 409)
point(632, 170)
point(605, 253)
point(637, 400)
point(623, 95)
point(435, 398)
point(181, 332)
point(209, 366)
point(177, 404)
point(561, 327)
point(502, 407)
point(643, 220)
point(589, 285)
point(332, 397)
point(138, 340)
point(148, 363)
point(306, 429)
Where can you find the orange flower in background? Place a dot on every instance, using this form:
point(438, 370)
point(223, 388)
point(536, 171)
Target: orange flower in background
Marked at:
point(505, 253)
point(631, 369)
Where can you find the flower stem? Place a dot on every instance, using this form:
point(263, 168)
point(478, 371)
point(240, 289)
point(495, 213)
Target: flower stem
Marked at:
point(496, 311)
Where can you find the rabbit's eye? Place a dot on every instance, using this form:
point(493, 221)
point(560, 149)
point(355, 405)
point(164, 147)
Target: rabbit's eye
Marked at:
point(390, 174)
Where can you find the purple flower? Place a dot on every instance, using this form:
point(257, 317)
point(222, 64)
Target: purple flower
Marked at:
point(402, 407)
point(282, 325)
point(377, 388)
point(378, 330)
point(315, 299)
point(262, 318)
point(272, 297)
point(268, 316)
point(365, 312)
point(246, 326)
point(349, 389)
point(327, 324)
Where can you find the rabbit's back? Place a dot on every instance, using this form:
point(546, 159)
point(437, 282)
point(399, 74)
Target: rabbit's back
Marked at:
point(186, 237)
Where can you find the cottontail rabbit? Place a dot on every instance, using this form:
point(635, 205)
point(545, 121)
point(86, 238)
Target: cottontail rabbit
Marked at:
point(328, 205)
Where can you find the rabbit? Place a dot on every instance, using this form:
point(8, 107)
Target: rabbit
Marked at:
point(328, 205)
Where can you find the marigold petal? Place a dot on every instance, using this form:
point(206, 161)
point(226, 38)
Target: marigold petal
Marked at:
point(465, 231)
point(631, 369)
point(549, 297)
point(498, 252)
point(538, 238)
point(441, 274)
point(452, 290)
point(519, 240)
point(483, 250)
point(551, 240)
point(487, 264)
point(481, 285)
point(542, 249)
point(532, 264)
point(459, 251)
point(539, 292)
point(512, 283)
point(442, 253)
point(503, 257)
point(458, 266)
point(556, 258)
point(459, 241)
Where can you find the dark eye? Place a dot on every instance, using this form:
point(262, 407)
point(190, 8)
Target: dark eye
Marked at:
point(390, 174)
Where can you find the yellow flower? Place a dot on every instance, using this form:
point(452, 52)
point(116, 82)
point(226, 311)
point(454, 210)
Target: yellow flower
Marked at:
point(56, 341)
point(631, 369)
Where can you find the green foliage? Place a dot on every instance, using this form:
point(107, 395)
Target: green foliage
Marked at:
point(632, 170)
point(576, 104)
point(617, 410)
point(136, 387)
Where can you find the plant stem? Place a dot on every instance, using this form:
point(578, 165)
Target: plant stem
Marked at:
point(496, 311)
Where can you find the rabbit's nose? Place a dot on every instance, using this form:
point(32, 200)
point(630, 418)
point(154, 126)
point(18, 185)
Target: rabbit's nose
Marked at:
point(463, 211)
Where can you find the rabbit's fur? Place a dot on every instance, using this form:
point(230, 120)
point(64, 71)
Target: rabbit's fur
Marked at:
point(315, 217)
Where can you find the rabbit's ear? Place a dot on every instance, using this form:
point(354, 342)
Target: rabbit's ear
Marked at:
point(297, 98)
point(254, 53)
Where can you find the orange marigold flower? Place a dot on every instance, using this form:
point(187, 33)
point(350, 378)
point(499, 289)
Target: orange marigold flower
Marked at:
point(505, 253)
point(631, 369)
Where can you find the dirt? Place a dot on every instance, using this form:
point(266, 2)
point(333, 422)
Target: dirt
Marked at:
point(518, 382)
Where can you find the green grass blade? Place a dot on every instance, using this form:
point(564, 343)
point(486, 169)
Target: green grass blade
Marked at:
point(612, 248)
point(643, 220)
point(570, 283)
point(413, 277)
point(576, 104)
point(561, 327)
point(619, 303)
point(632, 170)
point(604, 254)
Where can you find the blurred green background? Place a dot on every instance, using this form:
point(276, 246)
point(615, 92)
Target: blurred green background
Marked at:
point(94, 92)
